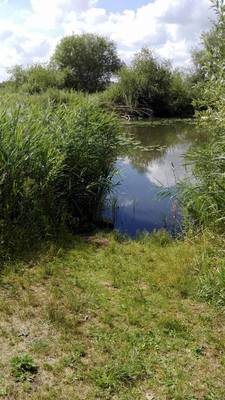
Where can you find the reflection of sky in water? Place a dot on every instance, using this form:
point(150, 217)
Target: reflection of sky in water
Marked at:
point(138, 203)
point(162, 173)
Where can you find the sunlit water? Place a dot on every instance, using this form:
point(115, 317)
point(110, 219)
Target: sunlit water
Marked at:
point(136, 204)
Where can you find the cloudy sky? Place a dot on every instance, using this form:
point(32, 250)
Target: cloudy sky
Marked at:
point(30, 29)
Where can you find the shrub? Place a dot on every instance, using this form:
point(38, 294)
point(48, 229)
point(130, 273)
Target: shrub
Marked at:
point(150, 86)
point(36, 78)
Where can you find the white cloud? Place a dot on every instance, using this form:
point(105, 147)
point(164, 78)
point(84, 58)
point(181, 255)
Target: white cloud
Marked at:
point(170, 28)
point(162, 174)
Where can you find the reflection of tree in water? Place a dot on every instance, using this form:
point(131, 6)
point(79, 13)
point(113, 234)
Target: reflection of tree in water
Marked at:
point(157, 140)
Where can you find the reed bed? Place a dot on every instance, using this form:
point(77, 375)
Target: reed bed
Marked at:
point(56, 165)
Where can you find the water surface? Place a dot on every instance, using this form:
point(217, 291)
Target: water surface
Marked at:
point(136, 203)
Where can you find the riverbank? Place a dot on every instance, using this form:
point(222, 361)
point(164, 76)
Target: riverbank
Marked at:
point(159, 121)
point(111, 319)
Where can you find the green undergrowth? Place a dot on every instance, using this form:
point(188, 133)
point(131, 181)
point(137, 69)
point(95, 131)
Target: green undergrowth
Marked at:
point(106, 318)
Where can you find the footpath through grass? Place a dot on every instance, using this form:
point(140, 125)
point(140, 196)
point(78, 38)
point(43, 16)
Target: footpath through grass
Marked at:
point(105, 319)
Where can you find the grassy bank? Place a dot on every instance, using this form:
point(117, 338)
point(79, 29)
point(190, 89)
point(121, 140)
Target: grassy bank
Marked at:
point(103, 319)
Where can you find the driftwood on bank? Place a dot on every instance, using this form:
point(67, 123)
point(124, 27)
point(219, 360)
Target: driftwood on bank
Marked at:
point(131, 113)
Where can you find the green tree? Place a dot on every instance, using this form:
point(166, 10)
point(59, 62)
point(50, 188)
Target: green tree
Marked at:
point(17, 75)
point(181, 94)
point(89, 60)
point(205, 58)
point(154, 79)
point(36, 78)
point(150, 85)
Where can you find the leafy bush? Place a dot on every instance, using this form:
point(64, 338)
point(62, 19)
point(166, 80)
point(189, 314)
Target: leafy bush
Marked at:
point(150, 86)
point(56, 164)
point(36, 78)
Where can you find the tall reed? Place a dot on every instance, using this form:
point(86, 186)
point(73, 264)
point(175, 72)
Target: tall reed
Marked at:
point(205, 200)
point(56, 165)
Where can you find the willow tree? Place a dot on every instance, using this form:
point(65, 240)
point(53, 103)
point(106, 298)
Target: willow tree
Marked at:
point(89, 60)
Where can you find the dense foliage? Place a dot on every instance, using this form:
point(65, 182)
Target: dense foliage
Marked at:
point(36, 78)
point(56, 163)
point(205, 200)
point(151, 87)
point(89, 61)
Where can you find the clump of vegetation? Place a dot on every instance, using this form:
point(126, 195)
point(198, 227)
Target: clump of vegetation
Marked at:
point(36, 78)
point(56, 165)
point(212, 283)
point(23, 367)
point(83, 63)
point(86, 63)
point(205, 200)
point(150, 87)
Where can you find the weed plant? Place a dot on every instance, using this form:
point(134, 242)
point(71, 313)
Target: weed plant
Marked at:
point(23, 367)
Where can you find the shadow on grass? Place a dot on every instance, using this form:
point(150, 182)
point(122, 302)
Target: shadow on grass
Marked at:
point(30, 249)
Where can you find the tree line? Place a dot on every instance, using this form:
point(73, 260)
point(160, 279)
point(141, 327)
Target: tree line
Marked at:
point(90, 63)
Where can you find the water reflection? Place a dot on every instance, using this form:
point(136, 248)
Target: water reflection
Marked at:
point(169, 169)
point(143, 174)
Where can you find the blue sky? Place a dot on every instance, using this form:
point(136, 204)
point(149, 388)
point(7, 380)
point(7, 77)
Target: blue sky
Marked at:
point(120, 5)
point(110, 5)
point(30, 29)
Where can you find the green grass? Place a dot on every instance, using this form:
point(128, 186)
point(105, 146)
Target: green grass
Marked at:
point(104, 319)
